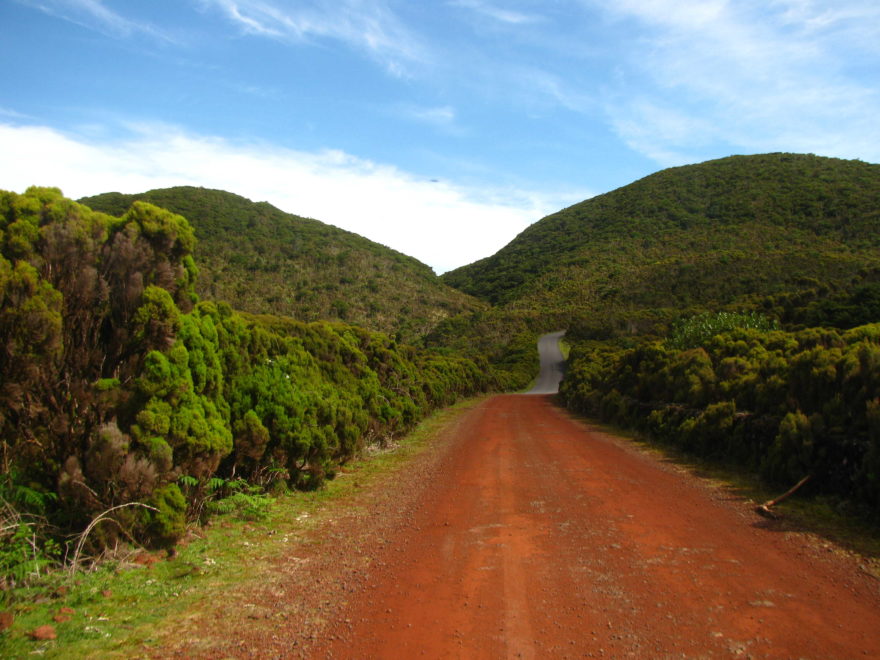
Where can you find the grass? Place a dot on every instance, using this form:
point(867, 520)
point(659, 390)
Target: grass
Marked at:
point(119, 609)
point(564, 347)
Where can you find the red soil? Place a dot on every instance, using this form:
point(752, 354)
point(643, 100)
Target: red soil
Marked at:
point(539, 537)
point(524, 533)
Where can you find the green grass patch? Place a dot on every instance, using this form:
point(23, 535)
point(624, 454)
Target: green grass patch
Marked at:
point(119, 609)
point(564, 347)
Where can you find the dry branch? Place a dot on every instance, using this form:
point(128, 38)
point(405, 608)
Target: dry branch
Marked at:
point(764, 509)
point(95, 521)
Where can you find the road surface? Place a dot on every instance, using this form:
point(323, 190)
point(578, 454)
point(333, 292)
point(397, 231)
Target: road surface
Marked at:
point(543, 537)
point(552, 364)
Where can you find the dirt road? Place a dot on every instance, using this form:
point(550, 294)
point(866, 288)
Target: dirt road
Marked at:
point(540, 537)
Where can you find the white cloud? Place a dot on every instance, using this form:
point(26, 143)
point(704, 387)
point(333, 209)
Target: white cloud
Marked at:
point(441, 224)
point(497, 13)
point(751, 74)
point(664, 134)
point(94, 15)
point(366, 25)
point(11, 114)
point(441, 117)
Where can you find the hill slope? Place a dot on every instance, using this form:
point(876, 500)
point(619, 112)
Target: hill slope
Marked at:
point(262, 260)
point(699, 235)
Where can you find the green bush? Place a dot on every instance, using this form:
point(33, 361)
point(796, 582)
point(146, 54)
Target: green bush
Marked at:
point(168, 524)
point(786, 404)
point(697, 330)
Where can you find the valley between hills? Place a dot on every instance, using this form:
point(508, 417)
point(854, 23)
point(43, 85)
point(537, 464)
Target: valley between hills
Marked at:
point(185, 361)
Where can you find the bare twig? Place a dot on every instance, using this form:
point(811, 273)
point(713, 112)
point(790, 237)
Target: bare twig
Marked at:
point(95, 521)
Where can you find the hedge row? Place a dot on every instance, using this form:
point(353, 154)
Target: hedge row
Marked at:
point(118, 386)
point(785, 404)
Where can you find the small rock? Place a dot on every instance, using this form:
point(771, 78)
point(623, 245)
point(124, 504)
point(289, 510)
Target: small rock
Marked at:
point(66, 610)
point(43, 633)
point(61, 618)
point(106, 593)
point(6, 620)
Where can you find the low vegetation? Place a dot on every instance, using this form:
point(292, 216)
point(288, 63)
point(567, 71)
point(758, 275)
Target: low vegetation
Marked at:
point(130, 604)
point(119, 386)
point(783, 404)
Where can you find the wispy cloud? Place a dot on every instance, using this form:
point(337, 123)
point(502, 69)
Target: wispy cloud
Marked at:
point(442, 117)
point(95, 15)
point(497, 13)
point(365, 25)
point(750, 74)
point(441, 223)
point(664, 134)
point(9, 113)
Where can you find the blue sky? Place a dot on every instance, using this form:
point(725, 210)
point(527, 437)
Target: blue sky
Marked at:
point(441, 128)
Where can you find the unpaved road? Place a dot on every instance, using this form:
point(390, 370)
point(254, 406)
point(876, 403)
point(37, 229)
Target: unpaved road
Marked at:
point(542, 537)
point(525, 533)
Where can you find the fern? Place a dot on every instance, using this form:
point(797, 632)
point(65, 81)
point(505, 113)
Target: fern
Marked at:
point(244, 506)
point(216, 483)
point(26, 554)
point(188, 481)
point(24, 497)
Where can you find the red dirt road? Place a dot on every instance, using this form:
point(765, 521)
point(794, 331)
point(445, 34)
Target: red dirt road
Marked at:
point(541, 537)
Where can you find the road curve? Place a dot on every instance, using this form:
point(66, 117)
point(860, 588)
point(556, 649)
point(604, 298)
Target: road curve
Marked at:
point(552, 364)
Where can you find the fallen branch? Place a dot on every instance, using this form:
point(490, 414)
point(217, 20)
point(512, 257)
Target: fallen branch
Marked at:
point(764, 509)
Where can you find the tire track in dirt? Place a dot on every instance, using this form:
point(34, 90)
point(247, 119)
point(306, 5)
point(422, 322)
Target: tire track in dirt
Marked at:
point(539, 536)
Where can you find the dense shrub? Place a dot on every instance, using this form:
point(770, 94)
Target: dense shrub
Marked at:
point(785, 404)
point(118, 386)
point(695, 331)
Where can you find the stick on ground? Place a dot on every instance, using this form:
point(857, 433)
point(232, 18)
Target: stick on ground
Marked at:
point(764, 509)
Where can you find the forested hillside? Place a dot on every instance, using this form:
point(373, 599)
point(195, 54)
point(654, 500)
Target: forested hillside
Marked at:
point(118, 386)
point(264, 261)
point(696, 236)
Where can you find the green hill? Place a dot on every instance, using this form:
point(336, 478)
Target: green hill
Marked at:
point(264, 261)
point(698, 236)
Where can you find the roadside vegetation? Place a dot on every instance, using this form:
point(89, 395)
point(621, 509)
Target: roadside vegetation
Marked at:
point(731, 387)
point(126, 604)
point(130, 409)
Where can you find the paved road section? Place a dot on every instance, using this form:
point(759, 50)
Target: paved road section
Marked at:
point(541, 537)
point(552, 364)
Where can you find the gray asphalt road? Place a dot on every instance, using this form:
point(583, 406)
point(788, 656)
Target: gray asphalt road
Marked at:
point(552, 364)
